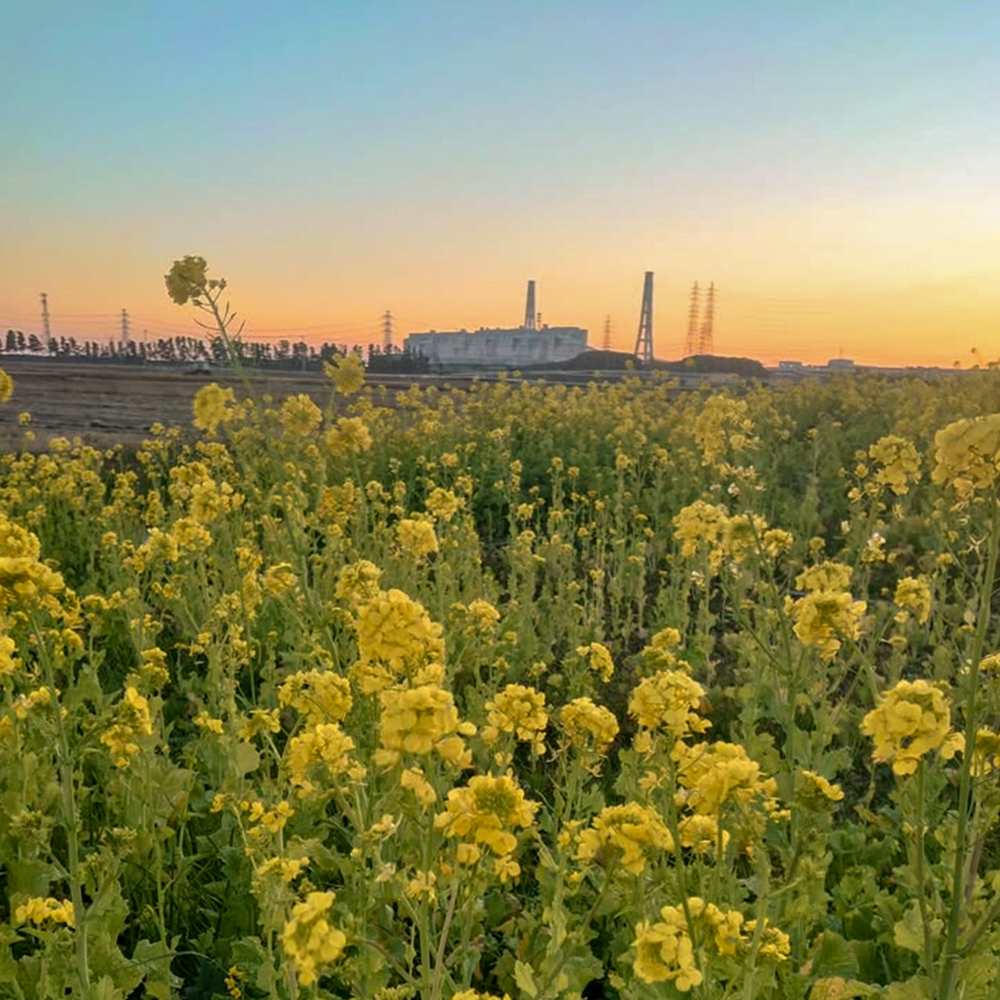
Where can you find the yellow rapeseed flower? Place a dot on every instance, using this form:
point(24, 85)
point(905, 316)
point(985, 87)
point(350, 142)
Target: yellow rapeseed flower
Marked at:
point(416, 537)
point(347, 373)
point(300, 416)
point(968, 454)
point(39, 910)
point(132, 720)
point(700, 523)
point(317, 756)
point(669, 700)
point(827, 575)
point(8, 661)
point(412, 779)
point(396, 640)
point(913, 595)
point(598, 658)
point(816, 789)
point(587, 726)
point(712, 775)
point(212, 406)
point(485, 812)
point(519, 710)
point(621, 836)
point(358, 582)
point(309, 939)
point(320, 695)
point(664, 951)
point(910, 720)
point(824, 618)
point(898, 461)
point(350, 436)
point(443, 504)
point(419, 720)
point(6, 387)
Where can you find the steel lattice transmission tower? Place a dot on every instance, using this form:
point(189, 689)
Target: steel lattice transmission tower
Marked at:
point(644, 338)
point(530, 318)
point(694, 312)
point(705, 345)
point(606, 344)
point(126, 337)
point(46, 325)
point(387, 330)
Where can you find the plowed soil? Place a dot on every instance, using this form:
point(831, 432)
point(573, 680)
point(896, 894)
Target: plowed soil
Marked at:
point(104, 403)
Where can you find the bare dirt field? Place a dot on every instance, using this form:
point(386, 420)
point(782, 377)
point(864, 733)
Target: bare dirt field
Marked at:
point(106, 404)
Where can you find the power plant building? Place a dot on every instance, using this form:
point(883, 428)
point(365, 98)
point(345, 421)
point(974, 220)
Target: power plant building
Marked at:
point(483, 348)
point(528, 344)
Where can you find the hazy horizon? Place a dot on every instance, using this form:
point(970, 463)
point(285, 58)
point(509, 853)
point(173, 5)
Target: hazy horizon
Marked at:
point(829, 169)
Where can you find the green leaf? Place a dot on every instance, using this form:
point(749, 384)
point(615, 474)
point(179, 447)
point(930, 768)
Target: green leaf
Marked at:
point(909, 932)
point(917, 988)
point(525, 978)
point(105, 989)
point(246, 758)
point(154, 960)
point(977, 976)
point(836, 988)
point(836, 957)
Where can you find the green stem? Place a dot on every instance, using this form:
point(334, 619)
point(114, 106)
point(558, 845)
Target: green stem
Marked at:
point(567, 952)
point(65, 767)
point(443, 941)
point(921, 872)
point(952, 956)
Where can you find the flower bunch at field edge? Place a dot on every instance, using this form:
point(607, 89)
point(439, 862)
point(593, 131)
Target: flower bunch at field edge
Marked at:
point(666, 952)
point(668, 700)
point(620, 837)
point(397, 642)
point(487, 811)
point(828, 613)
point(967, 453)
point(213, 406)
point(347, 373)
point(897, 462)
point(418, 720)
point(518, 710)
point(910, 720)
point(25, 581)
point(309, 939)
point(713, 776)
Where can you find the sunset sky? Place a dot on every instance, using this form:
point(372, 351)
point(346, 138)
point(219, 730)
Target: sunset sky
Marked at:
point(832, 165)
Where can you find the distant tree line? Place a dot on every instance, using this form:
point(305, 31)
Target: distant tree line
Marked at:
point(284, 354)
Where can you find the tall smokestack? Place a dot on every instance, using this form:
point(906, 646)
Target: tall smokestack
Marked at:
point(529, 308)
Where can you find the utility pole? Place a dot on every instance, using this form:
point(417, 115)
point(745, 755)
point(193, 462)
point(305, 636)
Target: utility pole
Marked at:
point(644, 338)
point(691, 344)
point(705, 338)
point(46, 326)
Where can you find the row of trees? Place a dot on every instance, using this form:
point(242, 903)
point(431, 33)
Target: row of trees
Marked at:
point(283, 354)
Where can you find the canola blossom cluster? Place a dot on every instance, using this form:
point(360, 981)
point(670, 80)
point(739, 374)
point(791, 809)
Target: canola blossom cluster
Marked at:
point(665, 950)
point(912, 719)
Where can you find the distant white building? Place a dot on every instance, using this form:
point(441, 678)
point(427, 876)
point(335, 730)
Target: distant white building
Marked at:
point(513, 348)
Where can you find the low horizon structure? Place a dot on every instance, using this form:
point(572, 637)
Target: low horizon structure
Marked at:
point(498, 348)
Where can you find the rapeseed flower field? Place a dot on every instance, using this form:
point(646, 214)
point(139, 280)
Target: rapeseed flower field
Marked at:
point(520, 691)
